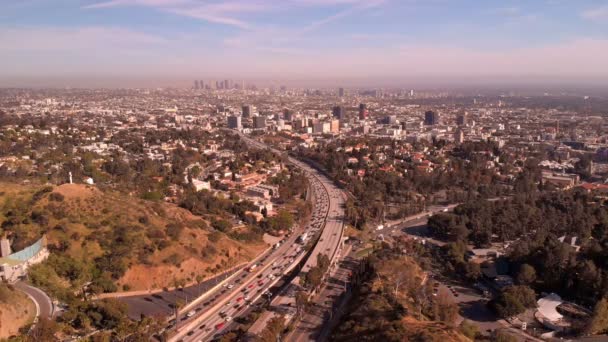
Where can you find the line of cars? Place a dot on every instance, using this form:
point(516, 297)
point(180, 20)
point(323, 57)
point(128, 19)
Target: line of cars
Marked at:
point(235, 306)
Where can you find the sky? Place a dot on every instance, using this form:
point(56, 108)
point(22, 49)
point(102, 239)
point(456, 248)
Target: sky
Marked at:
point(173, 42)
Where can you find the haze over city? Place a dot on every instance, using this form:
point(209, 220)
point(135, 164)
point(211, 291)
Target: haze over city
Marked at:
point(118, 43)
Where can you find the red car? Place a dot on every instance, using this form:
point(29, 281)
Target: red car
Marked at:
point(251, 286)
point(260, 283)
point(219, 326)
point(239, 299)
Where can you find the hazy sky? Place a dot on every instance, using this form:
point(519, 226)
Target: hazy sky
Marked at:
point(68, 41)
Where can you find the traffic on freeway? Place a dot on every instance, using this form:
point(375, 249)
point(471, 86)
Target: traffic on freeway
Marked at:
point(214, 314)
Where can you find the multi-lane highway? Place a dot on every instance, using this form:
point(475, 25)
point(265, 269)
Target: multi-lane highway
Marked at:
point(214, 313)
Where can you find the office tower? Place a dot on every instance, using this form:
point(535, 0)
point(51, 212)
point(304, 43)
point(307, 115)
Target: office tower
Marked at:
point(334, 126)
point(461, 119)
point(246, 111)
point(390, 119)
point(234, 122)
point(288, 115)
point(412, 93)
point(362, 111)
point(196, 85)
point(218, 85)
point(338, 112)
point(226, 84)
point(201, 84)
point(431, 118)
point(459, 136)
point(341, 92)
point(259, 122)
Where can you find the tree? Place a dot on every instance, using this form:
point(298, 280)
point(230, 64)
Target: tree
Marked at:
point(469, 329)
point(301, 301)
point(599, 320)
point(514, 300)
point(44, 331)
point(526, 275)
point(501, 336)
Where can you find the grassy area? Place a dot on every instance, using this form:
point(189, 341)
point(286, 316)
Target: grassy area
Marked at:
point(113, 240)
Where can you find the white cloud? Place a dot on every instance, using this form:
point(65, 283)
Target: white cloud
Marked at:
point(596, 14)
point(69, 39)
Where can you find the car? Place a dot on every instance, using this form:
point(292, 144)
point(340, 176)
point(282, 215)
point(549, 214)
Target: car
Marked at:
point(202, 326)
point(239, 299)
point(230, 286)
point(219, 326)
point(228, 319)
point(190, 333)
point(228, 303)
point(251, 286)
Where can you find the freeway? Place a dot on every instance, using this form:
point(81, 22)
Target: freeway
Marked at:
point(214, 314)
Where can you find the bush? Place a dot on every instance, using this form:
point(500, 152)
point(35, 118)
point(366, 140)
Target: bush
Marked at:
point(57, 197)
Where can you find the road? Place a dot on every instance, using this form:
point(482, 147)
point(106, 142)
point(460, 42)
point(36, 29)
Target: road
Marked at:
point(214, 315)
point(314, 324)
point(44, 305)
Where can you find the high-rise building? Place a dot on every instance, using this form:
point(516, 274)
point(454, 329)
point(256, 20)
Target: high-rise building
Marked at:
point(288, 115)
point(259, 122)
point(362, 111)
point(431, 118)
point(234, 122)
point(246, 111)
point(201, 84)
point(390, 119)
point(196, 85)
point(334, 126)
point(341, 92)
point(226, 84)
point(459, 136)
point(338, 112)
point(461, 119)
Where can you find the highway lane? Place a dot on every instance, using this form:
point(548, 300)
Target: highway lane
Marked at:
point(207, 314)
point(329, 243)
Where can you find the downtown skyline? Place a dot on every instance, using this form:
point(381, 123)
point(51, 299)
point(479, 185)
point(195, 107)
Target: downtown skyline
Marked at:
point(172, 42)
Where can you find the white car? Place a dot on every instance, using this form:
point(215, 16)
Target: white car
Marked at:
point(228, 319)
point(230, 286)
point(190, 313)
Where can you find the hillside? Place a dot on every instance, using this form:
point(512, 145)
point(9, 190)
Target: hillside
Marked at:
point(16, 311)
point(394, 302)
point(114, 241)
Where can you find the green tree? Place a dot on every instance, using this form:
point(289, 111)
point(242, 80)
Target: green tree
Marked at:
point(599, 320)
point(526, 275)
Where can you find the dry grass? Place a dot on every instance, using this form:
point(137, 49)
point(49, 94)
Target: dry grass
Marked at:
point(15, 313)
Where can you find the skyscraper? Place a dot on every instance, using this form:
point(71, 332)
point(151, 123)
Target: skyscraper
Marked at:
point(226, 84)
point(201, 84)
point(234, 122)
point(461, 119)
point(431, 118)
point(362, 111)
point(246, 111)
point(196, 85)
point(459, 136)
point(341, 92)
point(338, 112)
point(259, 122)
point(288, 115)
